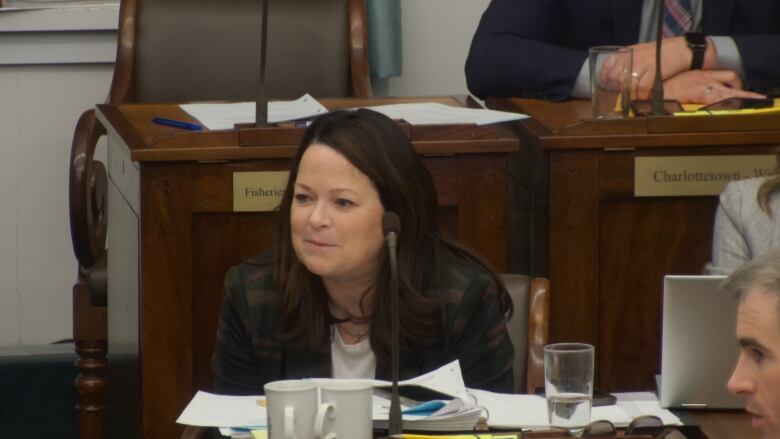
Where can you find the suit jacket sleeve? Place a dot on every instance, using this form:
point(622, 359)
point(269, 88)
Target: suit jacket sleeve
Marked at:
point(233, 365)
point(759, 54)
point(515, 52)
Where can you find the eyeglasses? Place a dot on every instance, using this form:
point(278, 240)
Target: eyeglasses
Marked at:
point(648, 425)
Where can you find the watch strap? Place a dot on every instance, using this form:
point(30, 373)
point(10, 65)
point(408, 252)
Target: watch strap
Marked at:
point(697, 42)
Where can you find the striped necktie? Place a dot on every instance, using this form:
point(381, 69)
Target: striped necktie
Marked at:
point(678, 17)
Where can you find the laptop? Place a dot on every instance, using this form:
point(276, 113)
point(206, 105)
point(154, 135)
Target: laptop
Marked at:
point(698, 348)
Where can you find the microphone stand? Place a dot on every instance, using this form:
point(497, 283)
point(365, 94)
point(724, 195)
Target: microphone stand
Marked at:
point(657, 105)
point(657, 99)
point(260, 133)
point(391, 223)
point(261, 105)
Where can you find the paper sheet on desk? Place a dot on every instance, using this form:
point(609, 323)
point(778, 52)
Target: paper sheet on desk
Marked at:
point(530, 411)
point(446, 379)
point(431, 113)
point(225, 116)
point(210, 410)
point(455, 415)
point(645, 403)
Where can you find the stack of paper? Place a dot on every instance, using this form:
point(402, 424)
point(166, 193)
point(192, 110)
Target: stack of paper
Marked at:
point(210, 410)
point(462, 413)
point(453, 415)
point(249, 412)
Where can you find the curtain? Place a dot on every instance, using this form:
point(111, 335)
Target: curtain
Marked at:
point(385, 53)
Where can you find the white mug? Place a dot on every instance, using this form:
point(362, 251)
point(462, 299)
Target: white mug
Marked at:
point(345, 411)
point(291, 408)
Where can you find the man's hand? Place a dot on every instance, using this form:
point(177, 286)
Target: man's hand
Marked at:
point(705, 87)
point(675, 59)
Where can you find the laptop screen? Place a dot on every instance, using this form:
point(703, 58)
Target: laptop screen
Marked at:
point(699, 347)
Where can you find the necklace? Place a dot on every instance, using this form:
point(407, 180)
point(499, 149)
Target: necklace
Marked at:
point(357, 336)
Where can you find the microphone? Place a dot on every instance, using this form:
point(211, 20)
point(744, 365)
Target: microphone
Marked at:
point(657, 105)
point(391, 227)
point(261, 105)
point(657, 98)
point(391, 224)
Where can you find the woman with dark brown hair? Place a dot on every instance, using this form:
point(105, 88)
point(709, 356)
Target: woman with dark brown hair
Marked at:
point(747, 222)
point(319, 305)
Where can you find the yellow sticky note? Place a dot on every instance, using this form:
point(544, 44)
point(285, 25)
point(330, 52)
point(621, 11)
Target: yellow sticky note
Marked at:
point(259, 434)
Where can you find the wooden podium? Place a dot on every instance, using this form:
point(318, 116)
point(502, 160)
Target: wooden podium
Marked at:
point(609, 249)
point(172, 234)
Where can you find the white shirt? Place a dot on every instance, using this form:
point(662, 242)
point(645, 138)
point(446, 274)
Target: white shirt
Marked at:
point(351, 360)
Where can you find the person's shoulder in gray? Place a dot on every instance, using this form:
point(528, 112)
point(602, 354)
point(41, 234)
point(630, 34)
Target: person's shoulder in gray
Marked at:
point(744, 228)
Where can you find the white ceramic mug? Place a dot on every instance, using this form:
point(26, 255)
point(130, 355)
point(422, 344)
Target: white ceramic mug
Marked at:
point(291, 408)
point(345, 411)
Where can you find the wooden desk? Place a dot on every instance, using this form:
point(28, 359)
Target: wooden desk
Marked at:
point(173, 234)
point(608, 249)
point(725, 424)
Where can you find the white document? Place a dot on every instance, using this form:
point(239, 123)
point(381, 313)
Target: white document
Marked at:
point(225, 116)
point(636, 404)
point(437, 114)
point(512, 411)
point(211, 410)
point(447, 379)
point(530, 411)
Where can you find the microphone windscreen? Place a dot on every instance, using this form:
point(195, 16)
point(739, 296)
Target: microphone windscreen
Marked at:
point(391, 223)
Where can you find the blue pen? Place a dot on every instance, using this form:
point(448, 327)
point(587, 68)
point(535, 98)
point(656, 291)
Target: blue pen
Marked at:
point(177, 124)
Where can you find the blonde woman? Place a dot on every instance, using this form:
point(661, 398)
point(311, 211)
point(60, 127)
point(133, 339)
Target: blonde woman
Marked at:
point(747, 222)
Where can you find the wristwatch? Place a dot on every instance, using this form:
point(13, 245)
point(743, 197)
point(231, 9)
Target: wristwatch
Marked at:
point(697, 42)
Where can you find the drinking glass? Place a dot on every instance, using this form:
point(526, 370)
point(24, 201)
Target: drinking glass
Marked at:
point(568, 384)
point(610, 80)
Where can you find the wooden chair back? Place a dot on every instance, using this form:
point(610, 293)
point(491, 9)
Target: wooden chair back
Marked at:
point(174, 50)
point(528, 328)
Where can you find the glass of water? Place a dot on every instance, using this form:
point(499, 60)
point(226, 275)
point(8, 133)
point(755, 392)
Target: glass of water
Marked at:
point(568, 384)
point(610, 80)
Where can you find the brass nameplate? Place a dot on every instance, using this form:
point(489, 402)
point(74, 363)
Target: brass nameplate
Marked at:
point(675, 176)
point(258, 191)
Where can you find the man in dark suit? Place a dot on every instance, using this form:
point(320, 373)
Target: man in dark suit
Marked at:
point(539, 48)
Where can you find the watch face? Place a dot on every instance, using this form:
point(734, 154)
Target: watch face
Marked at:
point(695, 39)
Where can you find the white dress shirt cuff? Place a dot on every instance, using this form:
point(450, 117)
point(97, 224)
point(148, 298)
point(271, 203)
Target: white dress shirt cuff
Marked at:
point(728, 56)
point(582, 84)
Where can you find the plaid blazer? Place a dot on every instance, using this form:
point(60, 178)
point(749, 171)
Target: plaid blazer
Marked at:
point(248, 352)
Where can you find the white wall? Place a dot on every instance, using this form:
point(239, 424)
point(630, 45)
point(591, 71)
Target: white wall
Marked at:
point(41, 97)
point(436, 39)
